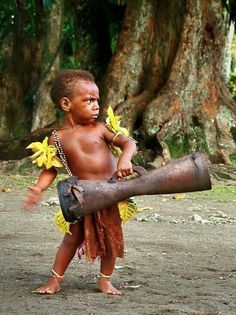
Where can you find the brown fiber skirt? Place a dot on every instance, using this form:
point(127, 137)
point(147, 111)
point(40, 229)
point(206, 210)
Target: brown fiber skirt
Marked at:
point(102, 234)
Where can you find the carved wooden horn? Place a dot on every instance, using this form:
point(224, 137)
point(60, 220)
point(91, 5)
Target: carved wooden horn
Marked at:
point(81, 197)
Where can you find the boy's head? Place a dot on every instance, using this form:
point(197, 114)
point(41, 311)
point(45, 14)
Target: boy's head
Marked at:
point(65, 83)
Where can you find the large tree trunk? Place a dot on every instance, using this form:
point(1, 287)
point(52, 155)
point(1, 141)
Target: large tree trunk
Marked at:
point(170, 85)
point(13, 111)
point(44, 112)
point(27, 74)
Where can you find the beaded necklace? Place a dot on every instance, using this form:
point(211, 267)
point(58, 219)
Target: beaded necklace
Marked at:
point(60, 151)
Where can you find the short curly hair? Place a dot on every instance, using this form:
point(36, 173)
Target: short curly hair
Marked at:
point(65, 82)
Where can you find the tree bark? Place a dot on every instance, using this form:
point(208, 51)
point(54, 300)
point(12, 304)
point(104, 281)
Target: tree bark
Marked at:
point(44, 112)
point(169, 85)
point(25, 67)
point(13, 113)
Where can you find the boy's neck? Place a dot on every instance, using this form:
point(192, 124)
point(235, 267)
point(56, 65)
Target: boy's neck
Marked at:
point(71, 124)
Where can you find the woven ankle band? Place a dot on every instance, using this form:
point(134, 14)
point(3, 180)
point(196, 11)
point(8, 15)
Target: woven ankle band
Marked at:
point(104, 276)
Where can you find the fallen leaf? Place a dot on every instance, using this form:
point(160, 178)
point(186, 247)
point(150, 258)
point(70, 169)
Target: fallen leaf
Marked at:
point(144, 208)
point(179, 196)
point(132, 286)
point(7, 190)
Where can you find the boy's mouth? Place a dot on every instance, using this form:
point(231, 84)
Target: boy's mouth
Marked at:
point(95, 114)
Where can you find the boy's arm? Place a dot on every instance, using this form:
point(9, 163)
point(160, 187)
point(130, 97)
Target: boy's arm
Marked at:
point(35, 192)
point(129, 150)
point(46, 178)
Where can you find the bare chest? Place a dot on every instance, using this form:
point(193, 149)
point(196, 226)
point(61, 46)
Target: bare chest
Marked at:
point(86, 143)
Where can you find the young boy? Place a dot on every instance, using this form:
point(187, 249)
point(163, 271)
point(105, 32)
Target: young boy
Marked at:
point(85, 144)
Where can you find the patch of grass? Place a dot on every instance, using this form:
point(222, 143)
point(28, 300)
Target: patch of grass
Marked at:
point(18, 182)
point(15, 181)
point(178, 145)
point(219, 193)
point(232, 158)
point(233, 132)
point(232, 85)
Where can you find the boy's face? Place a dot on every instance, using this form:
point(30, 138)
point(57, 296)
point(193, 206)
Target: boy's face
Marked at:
point(83, 105)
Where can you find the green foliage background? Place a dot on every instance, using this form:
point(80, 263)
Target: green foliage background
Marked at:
point(10, 20)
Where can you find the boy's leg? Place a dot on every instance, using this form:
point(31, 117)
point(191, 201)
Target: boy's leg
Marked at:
point(106, 270)
point(64, 255)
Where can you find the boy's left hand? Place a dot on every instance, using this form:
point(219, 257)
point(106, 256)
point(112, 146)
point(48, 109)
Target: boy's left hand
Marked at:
point(32, 198)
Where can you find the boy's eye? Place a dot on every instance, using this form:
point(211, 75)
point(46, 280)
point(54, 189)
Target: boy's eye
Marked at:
point(91, 100)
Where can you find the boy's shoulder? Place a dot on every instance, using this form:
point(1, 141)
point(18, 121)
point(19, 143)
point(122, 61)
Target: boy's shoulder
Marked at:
point(101, 126)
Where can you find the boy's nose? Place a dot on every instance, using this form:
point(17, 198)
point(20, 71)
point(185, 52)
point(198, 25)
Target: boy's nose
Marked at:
point(95, 105)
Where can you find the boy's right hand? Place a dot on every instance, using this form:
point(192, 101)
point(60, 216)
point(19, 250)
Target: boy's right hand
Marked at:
point(32, 198)
point(124, 168)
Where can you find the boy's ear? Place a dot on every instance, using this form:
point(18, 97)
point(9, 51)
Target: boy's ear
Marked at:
point(65, 104)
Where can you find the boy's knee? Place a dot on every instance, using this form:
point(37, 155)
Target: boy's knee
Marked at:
point(71, 240)
point(75, 238)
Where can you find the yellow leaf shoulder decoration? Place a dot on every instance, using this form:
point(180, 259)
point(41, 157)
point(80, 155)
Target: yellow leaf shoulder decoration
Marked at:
point(113, 124)
point(44, 154)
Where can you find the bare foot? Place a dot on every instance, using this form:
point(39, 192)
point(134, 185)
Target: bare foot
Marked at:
point(51, 287)
point(105, 286)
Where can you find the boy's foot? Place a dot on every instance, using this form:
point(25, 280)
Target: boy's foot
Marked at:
point(52, 286)
point(105, 286)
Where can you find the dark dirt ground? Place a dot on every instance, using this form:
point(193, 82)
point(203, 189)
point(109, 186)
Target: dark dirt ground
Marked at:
point(179, 258)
